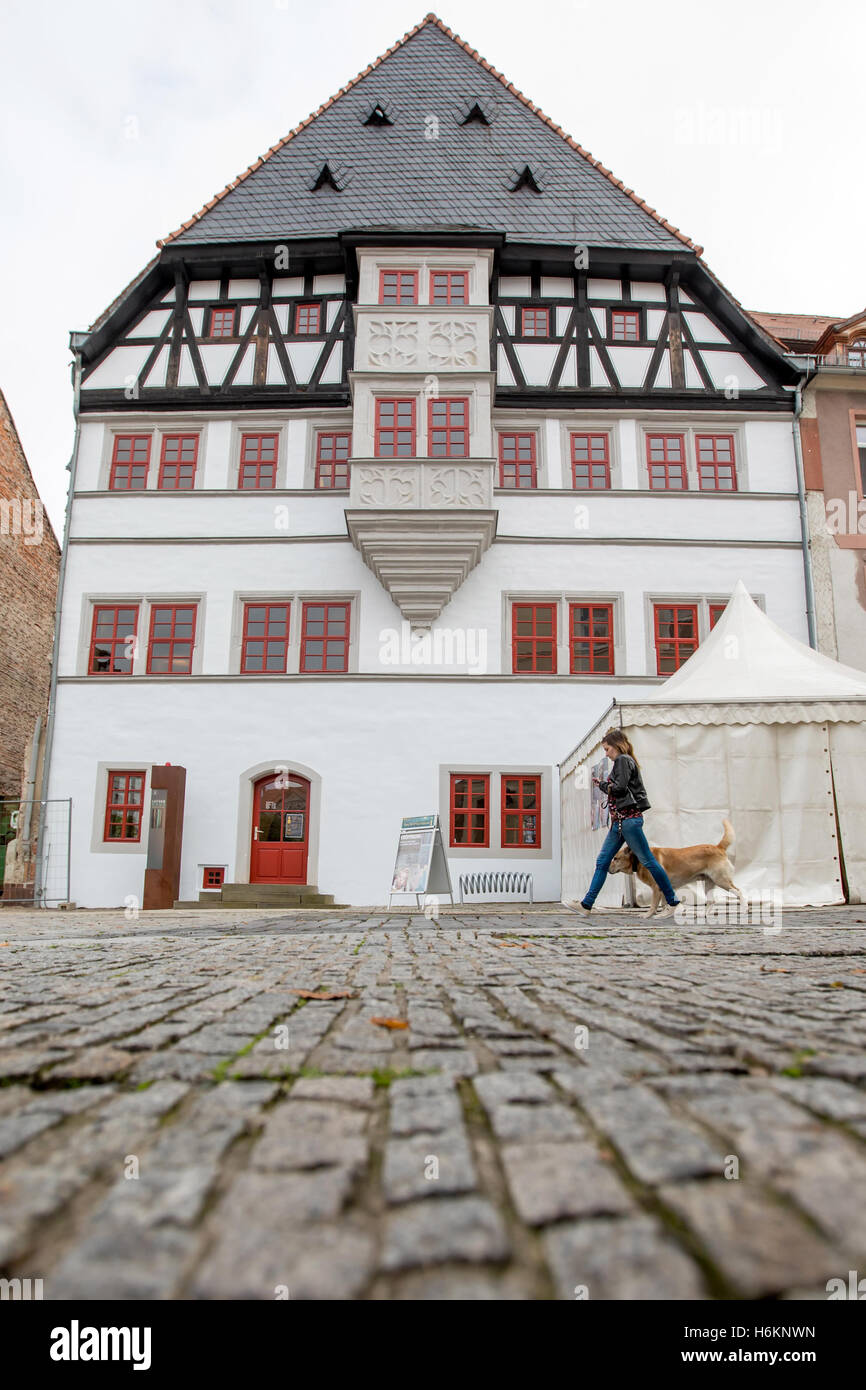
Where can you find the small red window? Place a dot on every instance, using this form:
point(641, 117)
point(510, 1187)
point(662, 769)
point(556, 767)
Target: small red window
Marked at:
point(535, 323)
point(666, 461)
point(332, 459)
point(591, 638)
point(676, 635)
point(265, 642)
point(517, 460)
point(449, 287)
point(213, 878)
point(307, 318)
point(533, 637)
point(172, 639)
point(398, 287)
point(325, 637)
point(113, 641)
point(130, 461)
point(395, 428)
point(124, 805)
point(521, 812)
point(716, 611)
point(448, 419)
point(178, 461)
point(223, 323)
point(717, 468)
point(470, 809)
point(258, 461)
point(590, 460)
point(625, 325)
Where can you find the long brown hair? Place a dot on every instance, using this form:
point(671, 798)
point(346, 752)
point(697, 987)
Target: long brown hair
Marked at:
point(620, 741)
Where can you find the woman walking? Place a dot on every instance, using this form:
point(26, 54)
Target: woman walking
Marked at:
point(627, 800)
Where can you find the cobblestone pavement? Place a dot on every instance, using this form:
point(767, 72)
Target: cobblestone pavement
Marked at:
point(566, 1111)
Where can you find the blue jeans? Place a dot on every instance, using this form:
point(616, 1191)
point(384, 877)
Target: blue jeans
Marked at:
point(630, 831)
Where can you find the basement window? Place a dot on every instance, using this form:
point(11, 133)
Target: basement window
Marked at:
point(213, 877)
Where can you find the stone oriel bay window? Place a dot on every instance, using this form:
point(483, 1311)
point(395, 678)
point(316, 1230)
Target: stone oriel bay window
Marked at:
point(449, 287)
point(395, 427)
point(398, 287)
point(448, 427)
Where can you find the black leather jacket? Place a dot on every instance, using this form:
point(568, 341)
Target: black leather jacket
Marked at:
point(626, 785)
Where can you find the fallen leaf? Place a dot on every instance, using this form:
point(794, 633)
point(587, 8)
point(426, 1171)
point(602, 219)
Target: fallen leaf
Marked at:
point(858, 971)
point(389, 1022)
point(5, 943)
point(775, 970)
point(836, 984)
point(324, 993)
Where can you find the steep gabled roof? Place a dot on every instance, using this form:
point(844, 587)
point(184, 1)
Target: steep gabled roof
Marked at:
point(429, 169)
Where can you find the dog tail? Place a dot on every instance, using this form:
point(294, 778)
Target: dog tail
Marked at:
point(728, 837)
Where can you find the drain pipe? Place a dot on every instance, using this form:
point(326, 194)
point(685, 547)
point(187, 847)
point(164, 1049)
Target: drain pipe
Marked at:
point(804, 518)
point(76, 341)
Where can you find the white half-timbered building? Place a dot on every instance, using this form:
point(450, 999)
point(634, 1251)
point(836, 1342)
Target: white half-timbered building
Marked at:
point(408, 453)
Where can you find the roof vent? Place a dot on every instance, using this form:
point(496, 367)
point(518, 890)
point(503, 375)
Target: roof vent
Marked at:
point(475, 116)
point(378, 115)
point(326, 178)
point(526, 179)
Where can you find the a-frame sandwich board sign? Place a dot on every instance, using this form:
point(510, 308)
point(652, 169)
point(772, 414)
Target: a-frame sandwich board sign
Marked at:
point(421, 866)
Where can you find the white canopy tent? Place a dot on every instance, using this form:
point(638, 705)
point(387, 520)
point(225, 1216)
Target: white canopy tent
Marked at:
point(757, 727)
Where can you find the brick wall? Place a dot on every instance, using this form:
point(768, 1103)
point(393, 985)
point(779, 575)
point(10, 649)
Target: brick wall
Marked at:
point(28, 584)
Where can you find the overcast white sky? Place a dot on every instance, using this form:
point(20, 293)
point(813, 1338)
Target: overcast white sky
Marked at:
point(742, 123)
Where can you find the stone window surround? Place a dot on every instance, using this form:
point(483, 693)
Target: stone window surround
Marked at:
point(144, 602)
point(496, 850)
point(295, 598)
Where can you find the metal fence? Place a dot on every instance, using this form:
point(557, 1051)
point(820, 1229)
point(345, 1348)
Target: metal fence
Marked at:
point(488, 884)
point(22, 825)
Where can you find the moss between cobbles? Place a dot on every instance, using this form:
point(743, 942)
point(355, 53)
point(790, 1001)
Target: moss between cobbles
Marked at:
point(800, 1055)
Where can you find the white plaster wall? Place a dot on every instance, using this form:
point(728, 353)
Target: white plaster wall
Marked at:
point(377, 747)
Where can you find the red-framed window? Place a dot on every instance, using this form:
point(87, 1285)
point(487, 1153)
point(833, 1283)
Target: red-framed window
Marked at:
point(535, 323)
point(178, 460)
point(591, 638)
point(590, 460)
point(448, 427)
point(222, 322)
point(533, 637)
point(521, 812)
point(395, 427)
point(213, 877)
point(258, 461)
point(123, 806)
point(470, 808)
point(113, 640)
point(308, 318)
point(332, 458)
point(325, 637)
point(265, 642)
point(172, 639)
point(130, 461)
point(625, 325)
point(716, 611)
point(676, 635)
point(517, 463)
point(717, 463)
point(449, 287)
point(666, 461)
point(398, 287)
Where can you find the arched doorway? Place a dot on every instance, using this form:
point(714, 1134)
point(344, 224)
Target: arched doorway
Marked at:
point(281, 829)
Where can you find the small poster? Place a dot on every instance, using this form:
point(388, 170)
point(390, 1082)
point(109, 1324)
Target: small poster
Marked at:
point(599, 810)
point(294, 829)
point(421, 865)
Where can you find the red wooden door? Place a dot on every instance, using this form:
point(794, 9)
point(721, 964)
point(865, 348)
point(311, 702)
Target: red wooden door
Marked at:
point(281, 829)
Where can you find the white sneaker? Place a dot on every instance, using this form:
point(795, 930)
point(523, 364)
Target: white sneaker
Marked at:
point(667, 911)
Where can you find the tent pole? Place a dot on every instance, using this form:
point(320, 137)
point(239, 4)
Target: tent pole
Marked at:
point(804, 522)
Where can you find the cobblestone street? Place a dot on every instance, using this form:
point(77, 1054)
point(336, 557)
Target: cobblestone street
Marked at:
point(569, 1106)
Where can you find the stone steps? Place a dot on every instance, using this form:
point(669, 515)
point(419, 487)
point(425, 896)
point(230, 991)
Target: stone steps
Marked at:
point(267, 895)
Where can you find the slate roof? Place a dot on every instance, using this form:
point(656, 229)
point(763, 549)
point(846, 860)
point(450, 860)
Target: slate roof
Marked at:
point(392, 177)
